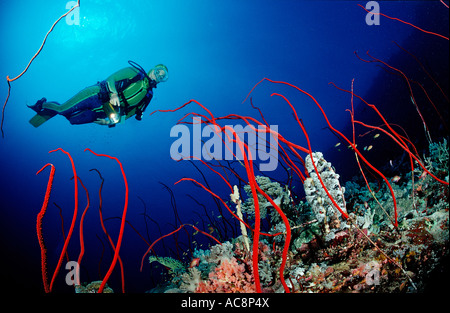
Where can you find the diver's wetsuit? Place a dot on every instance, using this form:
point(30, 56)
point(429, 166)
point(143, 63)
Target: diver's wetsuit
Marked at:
point(133, 87)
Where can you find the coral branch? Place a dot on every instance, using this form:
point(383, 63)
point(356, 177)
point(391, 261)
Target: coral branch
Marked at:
point(74, 218)
point(122, 225)
point(397, 19)
point(346, 139)
point(104, 228)
point(29, 63)
point(40, 216)
point(80, 256)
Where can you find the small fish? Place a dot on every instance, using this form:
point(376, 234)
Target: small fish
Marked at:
point(390, 162)
point(211, 229)
point(337, 145)
point(194, 263)
point(376, 136)
point(396, 178)
point(369, 148)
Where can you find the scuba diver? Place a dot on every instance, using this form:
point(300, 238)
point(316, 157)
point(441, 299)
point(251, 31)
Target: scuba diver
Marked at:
point(125, 93)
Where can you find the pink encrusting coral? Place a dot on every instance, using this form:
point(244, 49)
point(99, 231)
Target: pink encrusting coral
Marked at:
point(229, 276)
point(234, 272)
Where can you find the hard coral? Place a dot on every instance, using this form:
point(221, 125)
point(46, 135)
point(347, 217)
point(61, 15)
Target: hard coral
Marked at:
point(280, 195)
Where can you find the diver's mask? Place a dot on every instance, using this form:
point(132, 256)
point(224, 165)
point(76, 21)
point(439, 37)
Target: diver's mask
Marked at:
point(160, 72)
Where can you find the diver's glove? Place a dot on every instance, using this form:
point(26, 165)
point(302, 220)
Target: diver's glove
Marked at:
point(114, 100)
point(102, 121)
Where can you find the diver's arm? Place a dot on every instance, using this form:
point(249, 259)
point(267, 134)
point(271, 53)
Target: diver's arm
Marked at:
point(128, 72)
point(125, 73)
point(114, 101)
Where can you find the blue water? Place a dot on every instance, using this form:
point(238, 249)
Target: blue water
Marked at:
point(216, 51)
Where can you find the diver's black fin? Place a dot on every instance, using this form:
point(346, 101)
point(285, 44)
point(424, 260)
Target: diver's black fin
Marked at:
point(42, 117)
point(37, 107)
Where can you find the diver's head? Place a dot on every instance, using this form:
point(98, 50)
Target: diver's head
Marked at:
point(159, 73)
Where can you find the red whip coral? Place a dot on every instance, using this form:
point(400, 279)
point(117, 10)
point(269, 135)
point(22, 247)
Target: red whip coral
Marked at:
point(122, 224)
point(39, 225)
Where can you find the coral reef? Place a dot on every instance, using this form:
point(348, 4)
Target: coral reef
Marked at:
point(224, 268)
point(364, 254)
point(92, 287)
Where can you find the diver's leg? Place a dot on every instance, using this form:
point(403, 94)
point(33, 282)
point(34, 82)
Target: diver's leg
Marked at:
point(85, 117)
point(86, 111)
point(70, 105)
point(87, 99)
